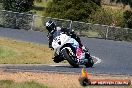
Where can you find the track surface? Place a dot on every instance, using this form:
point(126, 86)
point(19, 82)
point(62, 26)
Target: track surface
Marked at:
point(116, 56)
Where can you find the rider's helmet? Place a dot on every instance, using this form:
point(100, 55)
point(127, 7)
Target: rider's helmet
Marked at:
point(50, 26)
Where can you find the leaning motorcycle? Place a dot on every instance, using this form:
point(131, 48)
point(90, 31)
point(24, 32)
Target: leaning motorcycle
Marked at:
point(68, 49)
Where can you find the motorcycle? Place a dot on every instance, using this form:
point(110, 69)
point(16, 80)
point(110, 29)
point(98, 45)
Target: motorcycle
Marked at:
point(67, 48)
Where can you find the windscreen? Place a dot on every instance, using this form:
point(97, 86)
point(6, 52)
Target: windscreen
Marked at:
point(56, 33)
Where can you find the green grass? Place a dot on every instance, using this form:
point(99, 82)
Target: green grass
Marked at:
point(6, 52)
point(12, 84)
point(40, 4)
point(20, 52)
point(38, 23)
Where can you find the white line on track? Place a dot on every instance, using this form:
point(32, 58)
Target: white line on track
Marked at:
point(98, 60)
point(57, 65)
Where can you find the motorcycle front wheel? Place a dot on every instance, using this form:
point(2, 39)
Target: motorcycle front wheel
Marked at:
point(70, 58)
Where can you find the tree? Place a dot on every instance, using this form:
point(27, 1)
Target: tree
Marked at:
point(18, 5)
point(128, 18)
point(78, 10)
point(98, 2)
point(107, 17)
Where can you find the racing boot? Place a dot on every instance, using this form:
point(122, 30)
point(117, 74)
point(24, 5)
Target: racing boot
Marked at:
point(57, 59)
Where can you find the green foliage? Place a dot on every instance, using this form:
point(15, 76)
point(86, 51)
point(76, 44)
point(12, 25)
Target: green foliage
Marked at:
point(77, 10)
point(12, 84)
point(18, 5)
point(128, 18)
point(107, 17)
point(98, 2)
point(1, 6)
point(39, 1)
point(124, 2)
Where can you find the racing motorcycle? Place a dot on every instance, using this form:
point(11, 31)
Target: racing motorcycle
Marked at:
point(67, 48)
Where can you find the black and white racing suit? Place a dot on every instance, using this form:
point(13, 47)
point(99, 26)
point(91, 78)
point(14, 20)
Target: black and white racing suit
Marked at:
point(69, 33)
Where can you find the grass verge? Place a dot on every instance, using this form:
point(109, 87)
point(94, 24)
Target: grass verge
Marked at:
point(6, 52)
point(20, 52)
point(12, 84)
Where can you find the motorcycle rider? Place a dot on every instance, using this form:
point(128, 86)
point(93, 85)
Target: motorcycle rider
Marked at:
point(51, 27)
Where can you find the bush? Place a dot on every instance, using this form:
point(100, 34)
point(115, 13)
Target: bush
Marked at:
point(39, 1)
point(18, 5)
point(128, 18)
point(78, 10)
point(107, 17)
point(98, 2)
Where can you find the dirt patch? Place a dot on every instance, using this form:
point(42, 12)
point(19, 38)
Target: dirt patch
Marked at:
point(50, 79)
point(56, 80)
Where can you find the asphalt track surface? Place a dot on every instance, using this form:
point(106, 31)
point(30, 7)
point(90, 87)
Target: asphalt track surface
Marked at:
point(116, 56)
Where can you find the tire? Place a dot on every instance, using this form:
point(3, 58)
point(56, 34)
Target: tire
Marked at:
point(70, 58)
point(90, 62)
